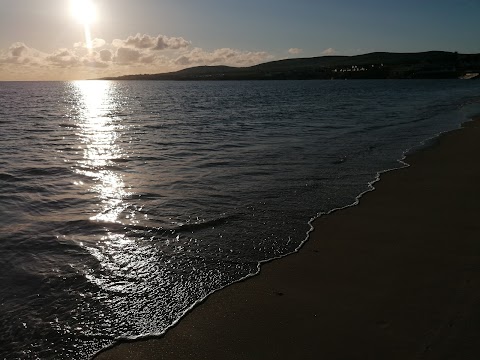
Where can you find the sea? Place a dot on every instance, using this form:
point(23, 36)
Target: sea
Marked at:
point(123, 204)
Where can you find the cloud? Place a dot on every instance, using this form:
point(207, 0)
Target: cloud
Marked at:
point(295, 51)
point(94, 62)
point(149, 59)
point(66, 58)
point(135, 54)
point(176, 43)
point(94, 59)
point(106, 55)
point(63, 58)
point(184, 61)
point(17, 49)
point(128, 56)
point(329, 51)
point(140, 41)
point(160, 42)
point(125, 55)
point(224, 56)
point(21, 54)
point(96, 43)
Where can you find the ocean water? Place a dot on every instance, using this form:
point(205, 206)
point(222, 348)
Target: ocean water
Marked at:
point(123, 204)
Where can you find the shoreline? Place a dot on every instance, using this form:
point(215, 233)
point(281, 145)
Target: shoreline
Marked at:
point(393, 277)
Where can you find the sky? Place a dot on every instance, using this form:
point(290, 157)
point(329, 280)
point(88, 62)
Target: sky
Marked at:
point(46, 39)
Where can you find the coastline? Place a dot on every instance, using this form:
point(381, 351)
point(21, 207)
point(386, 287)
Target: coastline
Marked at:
point(394, 277)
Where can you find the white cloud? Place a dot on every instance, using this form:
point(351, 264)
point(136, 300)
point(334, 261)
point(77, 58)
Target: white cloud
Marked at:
point(295, 51)
point(135, 54)
point(140, 41)
point(66, 58)
point(19, 53)
point(175, 43)
point(94, 59)
point(329, 51)
point(160, 42)
point(224, 56)
point(149, 59)
point(96, 43)
point(94, 63)
point(63, 58)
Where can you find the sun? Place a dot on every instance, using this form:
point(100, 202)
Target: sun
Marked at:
point(83, 11)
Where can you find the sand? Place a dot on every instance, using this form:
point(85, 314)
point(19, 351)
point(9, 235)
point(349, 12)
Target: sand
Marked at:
point(396, 277)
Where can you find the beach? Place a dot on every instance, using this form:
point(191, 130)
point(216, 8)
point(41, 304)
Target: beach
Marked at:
point(174, 190)
point(395, 277)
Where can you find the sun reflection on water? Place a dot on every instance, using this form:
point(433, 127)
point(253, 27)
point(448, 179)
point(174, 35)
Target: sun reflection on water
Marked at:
point(99, 137)
point(102, 160)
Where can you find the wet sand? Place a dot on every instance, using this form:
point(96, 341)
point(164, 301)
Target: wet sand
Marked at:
point(396, 277)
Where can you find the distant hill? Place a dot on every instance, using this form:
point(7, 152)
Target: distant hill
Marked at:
point(378, 65)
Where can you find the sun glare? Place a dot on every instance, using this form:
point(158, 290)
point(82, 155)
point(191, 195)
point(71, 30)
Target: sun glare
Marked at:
point(83, 11)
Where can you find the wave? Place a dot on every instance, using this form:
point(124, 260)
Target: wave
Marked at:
point(8, 177)
point(69, 126)
point(45, 171)
point(189, 227)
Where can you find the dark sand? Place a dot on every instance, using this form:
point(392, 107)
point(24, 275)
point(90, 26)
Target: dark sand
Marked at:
point(396, 277)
